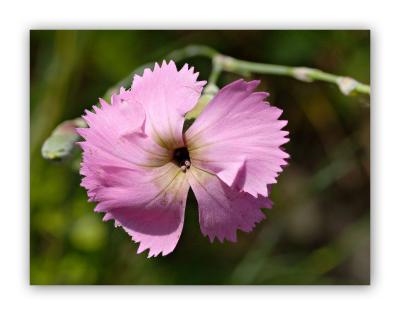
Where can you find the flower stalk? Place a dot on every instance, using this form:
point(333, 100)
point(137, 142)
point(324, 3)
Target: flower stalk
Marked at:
point(346, 85)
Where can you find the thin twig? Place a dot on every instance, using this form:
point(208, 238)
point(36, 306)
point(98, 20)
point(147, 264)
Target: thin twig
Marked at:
point(346, 85)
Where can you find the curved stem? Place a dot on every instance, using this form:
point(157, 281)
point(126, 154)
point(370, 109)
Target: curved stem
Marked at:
point(215, 73)
point(192, 51)
point(346, 85)
point(176, 55)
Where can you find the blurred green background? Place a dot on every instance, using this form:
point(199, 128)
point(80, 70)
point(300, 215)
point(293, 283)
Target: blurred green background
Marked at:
point(318, 231)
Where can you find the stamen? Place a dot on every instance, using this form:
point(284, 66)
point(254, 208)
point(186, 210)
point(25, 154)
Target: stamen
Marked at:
point(183, 168)
point(181, 158)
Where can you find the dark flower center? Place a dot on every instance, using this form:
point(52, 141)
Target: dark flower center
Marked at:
point(181, 158)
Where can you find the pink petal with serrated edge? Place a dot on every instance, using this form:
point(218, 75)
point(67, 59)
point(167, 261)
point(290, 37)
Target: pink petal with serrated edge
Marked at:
point(150, 208)
point(222, 210)
point(166, 95)
point(238, 137)
point(131, 177)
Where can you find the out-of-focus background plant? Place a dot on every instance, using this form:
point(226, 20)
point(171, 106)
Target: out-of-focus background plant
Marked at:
point(318, 231)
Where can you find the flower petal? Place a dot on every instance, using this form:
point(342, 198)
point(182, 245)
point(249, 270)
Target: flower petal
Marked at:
point(238, 137)
point(150, 209)
point(149, 205)
point(131, 177)
point(124, 115)
point(222, 210)
point(116, 137)
point(166, 95)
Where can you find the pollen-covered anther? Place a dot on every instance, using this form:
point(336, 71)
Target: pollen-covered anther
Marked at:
point(185, 166)
point(181, 158)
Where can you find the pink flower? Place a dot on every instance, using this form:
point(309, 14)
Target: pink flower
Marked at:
point(138, 165)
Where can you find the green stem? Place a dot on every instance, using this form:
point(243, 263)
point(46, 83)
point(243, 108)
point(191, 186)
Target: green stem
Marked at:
point(176, 55)
point(346, 84)
point(192, 51)
point(235, 65)
point(215, 71)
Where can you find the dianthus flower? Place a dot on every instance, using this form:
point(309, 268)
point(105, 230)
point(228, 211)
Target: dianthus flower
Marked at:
point(138, 165)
